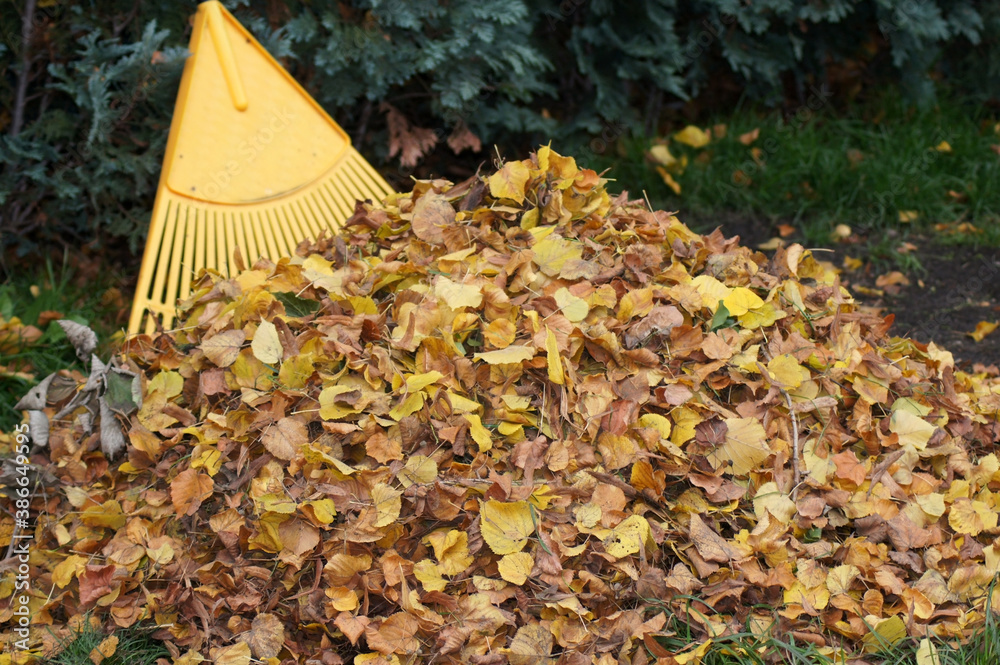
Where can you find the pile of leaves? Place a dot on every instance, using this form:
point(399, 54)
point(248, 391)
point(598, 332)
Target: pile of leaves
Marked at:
point(518, 420)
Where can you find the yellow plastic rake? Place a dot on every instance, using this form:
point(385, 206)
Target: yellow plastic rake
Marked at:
point(252, 162)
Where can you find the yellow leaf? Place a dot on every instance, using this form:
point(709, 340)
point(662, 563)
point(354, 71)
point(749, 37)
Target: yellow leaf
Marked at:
point(943, 146)
point(711, 291)
point(295, 371)
point(223, 348)
point(189, 489)
point(655, 420)
point(67, 569)
point(692, 136)
point(685, 420)
point(479, 433)
point(511, 354)
point(927, 653)
point(451, 548)
point(907, 216)
point(417, 382)
point(745, 446)
point(773, 501)
point(661, 154)
point(932, 504)
point(419, 470)
point(532, 645)
point(741, 300)
point(971, 517)
point(505, 526)
point(387, 504)
point(500, 333)
point(323, 510)
point(911, 429)
point(553, 252)
point(234, 654)
point(983, 328)
point(630, 536)
point(266, 345)
point(516, 567)
point(429, 574)
point(456, 295)
point(669, 180)
point(410, 405)
point(787, 372)
point(509, 182)
point(885, 634)
point(694, 656)
point(552, 358)
point(573, 308)
point(105, 649)
point(342, 598)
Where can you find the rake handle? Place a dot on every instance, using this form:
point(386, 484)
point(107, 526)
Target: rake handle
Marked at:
point(224, 51)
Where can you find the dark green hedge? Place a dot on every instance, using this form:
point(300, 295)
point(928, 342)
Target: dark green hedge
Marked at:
point(80, 151)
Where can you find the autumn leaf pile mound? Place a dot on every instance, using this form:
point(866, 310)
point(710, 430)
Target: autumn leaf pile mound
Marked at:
point(518, 420)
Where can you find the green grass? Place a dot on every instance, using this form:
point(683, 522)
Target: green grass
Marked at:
point(57, 289)
point(135, 647)
point(807, 174)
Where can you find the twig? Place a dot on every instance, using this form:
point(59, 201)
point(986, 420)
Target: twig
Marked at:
point(27, 30)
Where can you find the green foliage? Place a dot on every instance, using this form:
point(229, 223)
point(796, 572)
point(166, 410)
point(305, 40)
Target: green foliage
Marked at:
point(101, 78)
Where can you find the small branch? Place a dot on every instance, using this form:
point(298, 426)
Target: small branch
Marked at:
point(20, 98)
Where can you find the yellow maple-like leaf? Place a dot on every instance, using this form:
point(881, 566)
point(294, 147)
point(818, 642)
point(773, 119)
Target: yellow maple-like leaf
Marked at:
point(787, 372)
point(516, 567)
point(553, 359)
point(505, 526)
point(983, 328)
point(509, 182)
point(971, 517)
point(630, 536)
point(911, 429)
point(741, 300)
point(692, 136)
point(387, 504)
point(511, 354)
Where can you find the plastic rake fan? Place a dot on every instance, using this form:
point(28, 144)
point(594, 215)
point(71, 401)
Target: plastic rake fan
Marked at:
point(252, 162)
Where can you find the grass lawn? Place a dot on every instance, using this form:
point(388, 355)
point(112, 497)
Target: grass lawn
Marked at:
point(881, 166)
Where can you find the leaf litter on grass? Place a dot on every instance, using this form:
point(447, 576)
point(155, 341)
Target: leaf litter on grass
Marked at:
point(523, 421)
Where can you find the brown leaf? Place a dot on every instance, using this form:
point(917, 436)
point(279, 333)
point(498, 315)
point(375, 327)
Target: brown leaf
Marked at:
point(285, 437)
point(266, 636)
point(410, 143)
point(431, 215)
point(189, 489)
